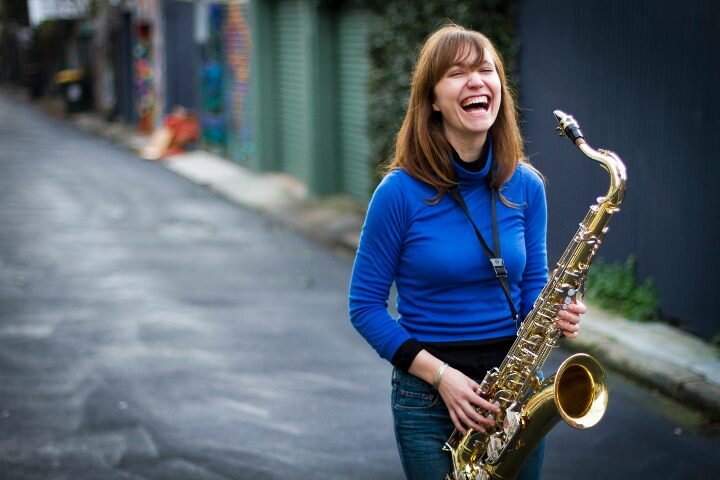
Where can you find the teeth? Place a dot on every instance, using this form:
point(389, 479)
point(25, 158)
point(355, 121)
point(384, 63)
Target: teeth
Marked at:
point(479, 100)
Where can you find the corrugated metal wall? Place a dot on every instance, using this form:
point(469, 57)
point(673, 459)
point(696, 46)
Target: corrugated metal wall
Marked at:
point(292, 102)
point(642, 79)
point(353, 67)
point(310, 72)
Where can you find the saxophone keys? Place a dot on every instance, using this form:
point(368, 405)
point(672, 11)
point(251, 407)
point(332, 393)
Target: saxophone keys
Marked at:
point(572, 272)
point(544, 315)
point(494, 448)
point(511, 424)
point(483, 475)
point(594, 241)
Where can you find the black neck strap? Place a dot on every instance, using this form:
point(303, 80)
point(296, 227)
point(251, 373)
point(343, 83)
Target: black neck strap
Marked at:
point(493, 255)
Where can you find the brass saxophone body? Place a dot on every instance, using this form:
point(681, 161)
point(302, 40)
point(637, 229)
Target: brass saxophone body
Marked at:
point(577, 393)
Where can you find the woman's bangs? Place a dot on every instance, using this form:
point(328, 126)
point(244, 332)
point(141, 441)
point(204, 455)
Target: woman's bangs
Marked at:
point(470, 53)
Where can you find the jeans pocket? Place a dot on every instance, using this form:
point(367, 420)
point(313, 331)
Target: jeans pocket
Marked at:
point(413, 394)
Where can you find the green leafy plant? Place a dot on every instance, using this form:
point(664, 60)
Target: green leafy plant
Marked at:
point(615, 287)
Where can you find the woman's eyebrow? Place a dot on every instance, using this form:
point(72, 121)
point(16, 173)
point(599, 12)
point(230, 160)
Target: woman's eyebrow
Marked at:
point(467, 65)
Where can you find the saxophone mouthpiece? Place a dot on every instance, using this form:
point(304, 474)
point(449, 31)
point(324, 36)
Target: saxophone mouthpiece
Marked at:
point(568, 126)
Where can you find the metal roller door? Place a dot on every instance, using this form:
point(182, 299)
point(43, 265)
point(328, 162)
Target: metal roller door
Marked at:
point(357, 169)
point(291, 89)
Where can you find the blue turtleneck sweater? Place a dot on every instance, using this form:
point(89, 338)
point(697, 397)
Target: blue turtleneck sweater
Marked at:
point(447, 290)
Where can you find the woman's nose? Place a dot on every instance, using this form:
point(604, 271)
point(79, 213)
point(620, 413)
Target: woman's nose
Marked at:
point(475, 79)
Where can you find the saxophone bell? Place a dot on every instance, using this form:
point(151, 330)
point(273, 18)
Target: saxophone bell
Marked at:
point(577, 394)
point(581, 392)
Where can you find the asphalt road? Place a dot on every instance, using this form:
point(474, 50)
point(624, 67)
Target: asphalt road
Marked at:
point(152, 330)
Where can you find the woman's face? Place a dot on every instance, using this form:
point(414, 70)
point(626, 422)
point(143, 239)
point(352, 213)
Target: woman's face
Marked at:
point(468, 98)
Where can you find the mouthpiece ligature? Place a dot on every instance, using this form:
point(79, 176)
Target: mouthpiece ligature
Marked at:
point(568, 126)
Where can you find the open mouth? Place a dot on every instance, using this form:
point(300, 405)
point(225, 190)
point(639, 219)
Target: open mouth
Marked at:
point(480, 103)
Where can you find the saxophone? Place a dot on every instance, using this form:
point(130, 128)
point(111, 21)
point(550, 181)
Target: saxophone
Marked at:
point(577, 392)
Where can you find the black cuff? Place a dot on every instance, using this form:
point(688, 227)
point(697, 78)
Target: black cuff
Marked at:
point(405, 354)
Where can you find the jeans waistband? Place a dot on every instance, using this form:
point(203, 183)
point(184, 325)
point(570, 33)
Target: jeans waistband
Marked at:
point(408, 379)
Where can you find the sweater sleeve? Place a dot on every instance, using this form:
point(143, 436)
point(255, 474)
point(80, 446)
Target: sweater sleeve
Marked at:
point(535, 275)
point(375, 265)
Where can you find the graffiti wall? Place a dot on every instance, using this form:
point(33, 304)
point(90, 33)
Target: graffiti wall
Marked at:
point(236, 35)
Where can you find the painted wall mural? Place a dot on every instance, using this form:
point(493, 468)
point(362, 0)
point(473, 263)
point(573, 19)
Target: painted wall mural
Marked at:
point(213, 115)
point(144, 85)
point(236, 35)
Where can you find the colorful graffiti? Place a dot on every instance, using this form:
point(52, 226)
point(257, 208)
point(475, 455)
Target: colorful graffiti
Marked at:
point(212, 118)
point(236, 35)
point(144, 91)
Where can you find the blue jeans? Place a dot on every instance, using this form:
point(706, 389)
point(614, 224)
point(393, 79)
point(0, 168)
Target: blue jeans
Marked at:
point(423, 425)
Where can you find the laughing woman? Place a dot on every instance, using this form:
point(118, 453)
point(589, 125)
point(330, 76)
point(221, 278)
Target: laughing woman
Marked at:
point(455, 319)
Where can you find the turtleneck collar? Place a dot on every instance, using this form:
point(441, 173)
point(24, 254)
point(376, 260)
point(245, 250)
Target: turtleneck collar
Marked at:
point(468, 177)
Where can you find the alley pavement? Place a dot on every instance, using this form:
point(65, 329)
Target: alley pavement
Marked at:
point(151, 328)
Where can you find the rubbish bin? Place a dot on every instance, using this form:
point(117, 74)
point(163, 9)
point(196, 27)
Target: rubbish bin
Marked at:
point(74, 89)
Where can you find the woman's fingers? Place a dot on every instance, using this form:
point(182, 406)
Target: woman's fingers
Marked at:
point(458, 424)
point(577, 307)
point(475, 419)
point(460, 396)
point(568, 320)
point(485, 404)
point(467, 420)
point(468, 417)
point(569, 329)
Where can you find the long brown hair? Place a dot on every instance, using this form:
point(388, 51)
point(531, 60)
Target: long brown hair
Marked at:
point(421, 148)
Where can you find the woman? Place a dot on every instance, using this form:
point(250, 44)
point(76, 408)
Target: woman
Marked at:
point(455, 320)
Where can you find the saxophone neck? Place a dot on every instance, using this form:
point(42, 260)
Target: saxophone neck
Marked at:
point(615, 167)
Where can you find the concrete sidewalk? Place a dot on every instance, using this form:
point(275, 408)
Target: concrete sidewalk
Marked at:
point(677, 364)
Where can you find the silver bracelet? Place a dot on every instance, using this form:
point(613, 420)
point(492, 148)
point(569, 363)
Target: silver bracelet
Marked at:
point(439, 375)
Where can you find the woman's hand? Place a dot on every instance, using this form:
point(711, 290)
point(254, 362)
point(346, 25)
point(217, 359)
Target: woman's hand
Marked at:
point(459, 393)
point(569, 320)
